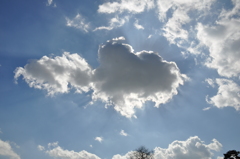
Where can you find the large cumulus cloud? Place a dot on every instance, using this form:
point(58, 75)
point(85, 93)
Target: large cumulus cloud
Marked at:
point(124, 79)
point(127, 79)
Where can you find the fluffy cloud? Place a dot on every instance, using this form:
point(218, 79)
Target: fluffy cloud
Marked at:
point(123, 133)
point(177, 29)
point(193, 147)
point(124, 79)
point(133, 6)
point(78, 22)
point(228, 94)
point(99, 139)
point(6, 150)
point(127, 80)
point(55, 151)
point(223, 41)
point(57, 74)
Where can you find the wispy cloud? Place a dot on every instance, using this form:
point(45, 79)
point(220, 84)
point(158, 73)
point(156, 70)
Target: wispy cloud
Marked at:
point(78, 22)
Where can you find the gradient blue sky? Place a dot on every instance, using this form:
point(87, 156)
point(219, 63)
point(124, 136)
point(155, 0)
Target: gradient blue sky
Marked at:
point(97, 79)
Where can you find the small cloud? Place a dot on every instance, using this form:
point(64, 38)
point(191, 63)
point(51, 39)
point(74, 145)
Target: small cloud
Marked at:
point(138, 26)
point(211, 82)
point(123, 133)
point(91, 146)
point(207, 108)
point(115, 22)
point(41, 148)
point(99, 139)
point(49, 2)
point(119, 38)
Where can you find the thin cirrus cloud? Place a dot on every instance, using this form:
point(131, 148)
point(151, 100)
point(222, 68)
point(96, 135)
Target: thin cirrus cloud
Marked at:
point(193, 147)
point(125, 79)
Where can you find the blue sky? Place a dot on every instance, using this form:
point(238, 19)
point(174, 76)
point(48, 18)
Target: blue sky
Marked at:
point(97, 79)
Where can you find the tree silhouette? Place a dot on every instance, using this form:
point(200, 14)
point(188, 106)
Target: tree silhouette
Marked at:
point(142, 153)
point(232, 154)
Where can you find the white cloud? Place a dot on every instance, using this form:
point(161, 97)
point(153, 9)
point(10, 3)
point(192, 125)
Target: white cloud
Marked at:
point(207, 108)
point(138, 26)
point(6, 150)
point(133, 6)
point(193, 147)
point(123, 133)
point(57, 74)
point(58, 152)
point(127, 156)
point(228, 94)
point(49, 2)
point(99, 139)
point(78, 22)
point(124, 79)
point(41, 148)
point(177, 29)
point(210, 81)
point(223, 42)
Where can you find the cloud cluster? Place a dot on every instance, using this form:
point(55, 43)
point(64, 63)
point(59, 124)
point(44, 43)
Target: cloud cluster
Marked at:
point(124, 79)
point(193, 147)
point(7, 151)
point(55, 151)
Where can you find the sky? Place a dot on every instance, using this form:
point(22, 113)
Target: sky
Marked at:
point(96, 79)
